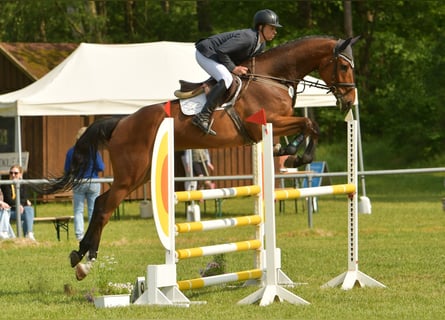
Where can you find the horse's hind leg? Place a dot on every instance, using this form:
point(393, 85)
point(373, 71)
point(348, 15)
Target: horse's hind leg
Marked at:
point(104, 207)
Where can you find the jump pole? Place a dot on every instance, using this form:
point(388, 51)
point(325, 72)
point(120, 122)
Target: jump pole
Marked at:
point(352, 276)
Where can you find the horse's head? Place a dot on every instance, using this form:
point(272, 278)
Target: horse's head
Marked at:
point(338, 73)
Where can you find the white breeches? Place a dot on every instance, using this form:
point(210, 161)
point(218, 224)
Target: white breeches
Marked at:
point(216, 70)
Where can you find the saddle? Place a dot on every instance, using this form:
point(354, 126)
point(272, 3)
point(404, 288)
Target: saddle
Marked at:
point(192, 89)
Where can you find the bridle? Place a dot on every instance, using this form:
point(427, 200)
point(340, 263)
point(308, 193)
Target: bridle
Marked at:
point(335, 83)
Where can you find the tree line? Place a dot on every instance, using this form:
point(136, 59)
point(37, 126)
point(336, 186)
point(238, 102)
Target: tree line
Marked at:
point(400, 65)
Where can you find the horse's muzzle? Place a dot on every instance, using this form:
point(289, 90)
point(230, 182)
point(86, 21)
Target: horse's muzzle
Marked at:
point(344, 106)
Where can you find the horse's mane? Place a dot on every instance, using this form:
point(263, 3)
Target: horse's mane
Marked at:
point(292, 43)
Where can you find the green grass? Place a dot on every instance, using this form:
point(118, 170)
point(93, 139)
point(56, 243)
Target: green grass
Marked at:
point(400, 245)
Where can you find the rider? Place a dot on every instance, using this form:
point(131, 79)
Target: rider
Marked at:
point(219, 55)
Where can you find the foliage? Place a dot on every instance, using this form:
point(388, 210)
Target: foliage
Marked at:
point(399, 77)
point(102, 272)
point(400, 66)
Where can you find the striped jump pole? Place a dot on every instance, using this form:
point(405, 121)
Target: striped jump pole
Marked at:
point(290, 193)
point(352, 276)
point(220, 279)
point(218, 249)
point(210, 194)
point(217, 224)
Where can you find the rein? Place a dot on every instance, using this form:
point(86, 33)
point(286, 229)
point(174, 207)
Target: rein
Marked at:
point(284, 83)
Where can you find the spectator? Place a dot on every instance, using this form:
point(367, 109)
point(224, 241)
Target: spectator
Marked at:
point(26, 210)
point(88, 191)
point(201, 165)
point(6, 231)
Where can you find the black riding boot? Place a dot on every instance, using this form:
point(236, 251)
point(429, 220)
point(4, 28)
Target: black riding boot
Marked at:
point(202, 119)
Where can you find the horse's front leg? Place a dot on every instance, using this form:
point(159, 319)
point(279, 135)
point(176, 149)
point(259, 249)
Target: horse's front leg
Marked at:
point(294, 161)
point(290, 149)
point(302, 127)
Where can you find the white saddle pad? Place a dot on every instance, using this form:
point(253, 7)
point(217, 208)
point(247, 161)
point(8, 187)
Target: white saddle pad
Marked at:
point(194, 105)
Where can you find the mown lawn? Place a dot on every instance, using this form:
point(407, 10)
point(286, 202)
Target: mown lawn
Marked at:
point(401, 244)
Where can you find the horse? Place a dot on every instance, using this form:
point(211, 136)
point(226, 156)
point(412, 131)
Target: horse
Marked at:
point(270, 86)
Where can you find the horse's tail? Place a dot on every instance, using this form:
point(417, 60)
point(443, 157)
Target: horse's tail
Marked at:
point(85, 151)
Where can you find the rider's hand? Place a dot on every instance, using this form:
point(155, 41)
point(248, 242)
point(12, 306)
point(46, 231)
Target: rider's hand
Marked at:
point(240, 70)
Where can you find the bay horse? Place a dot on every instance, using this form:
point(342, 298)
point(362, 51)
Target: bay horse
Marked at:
point(270, 85)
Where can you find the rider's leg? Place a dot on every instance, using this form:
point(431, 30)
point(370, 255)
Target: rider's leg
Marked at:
point(224, 80)
point(202, 119)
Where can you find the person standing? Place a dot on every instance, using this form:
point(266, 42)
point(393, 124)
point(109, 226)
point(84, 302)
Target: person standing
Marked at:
point(201, 165)
point(26, 210)
point(221, 54)
point(88, 190)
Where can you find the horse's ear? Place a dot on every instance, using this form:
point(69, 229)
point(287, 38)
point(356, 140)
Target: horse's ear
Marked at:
point(354, 40)
point(343, 45)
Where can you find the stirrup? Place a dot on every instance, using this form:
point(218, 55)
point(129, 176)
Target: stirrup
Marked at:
point(207, 130)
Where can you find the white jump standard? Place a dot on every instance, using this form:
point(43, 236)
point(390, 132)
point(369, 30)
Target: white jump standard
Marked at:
point(352, 276)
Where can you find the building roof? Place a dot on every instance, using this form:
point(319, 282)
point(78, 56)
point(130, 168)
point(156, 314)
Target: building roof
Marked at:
point(36, 59)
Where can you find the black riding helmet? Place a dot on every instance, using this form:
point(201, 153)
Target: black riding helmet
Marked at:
point(266, 16)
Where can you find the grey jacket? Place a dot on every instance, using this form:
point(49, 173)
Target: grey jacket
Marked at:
point(231, 48)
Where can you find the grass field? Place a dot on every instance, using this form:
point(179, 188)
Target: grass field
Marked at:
point(401, 244)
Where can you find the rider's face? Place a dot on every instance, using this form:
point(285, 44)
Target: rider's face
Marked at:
point(268, 32)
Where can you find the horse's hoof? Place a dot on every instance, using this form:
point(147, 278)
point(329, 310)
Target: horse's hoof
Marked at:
point(82, 271)
point(290, 162)
point(75, 258)
point(306, 159)
point(294, 162)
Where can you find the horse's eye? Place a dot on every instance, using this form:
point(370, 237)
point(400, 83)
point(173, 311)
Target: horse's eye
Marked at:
point(344, 67)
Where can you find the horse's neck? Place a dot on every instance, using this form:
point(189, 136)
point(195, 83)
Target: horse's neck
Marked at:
point(293, 62)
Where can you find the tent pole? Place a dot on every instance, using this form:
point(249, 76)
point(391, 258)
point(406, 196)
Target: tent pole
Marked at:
point(364, 205)
point(360, 150)
point(18, 150)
